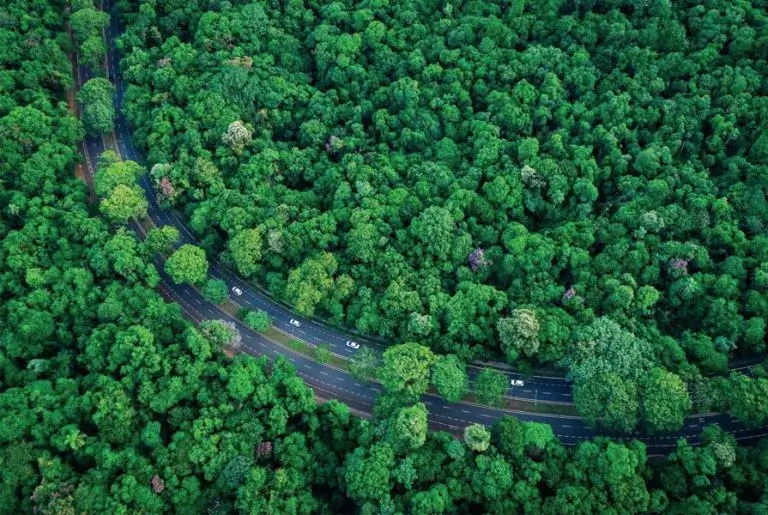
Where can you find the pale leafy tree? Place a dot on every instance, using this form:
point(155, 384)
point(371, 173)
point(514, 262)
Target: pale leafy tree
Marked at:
point(276, 241)
point(519, 333)
point(477, 437)
point(221, 333)
point(421, 324)
point(238, 135)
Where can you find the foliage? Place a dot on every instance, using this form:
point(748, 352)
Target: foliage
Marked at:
point(450, 378)
point(97, 111)
point(519, 333)
point(607, 400)
point(112, 402)
point(322, 353)
point(431, 173)
point(215, 291)
point(87, 24)
point(406, 369)
point(477, 437)
point(362, 364)
point(187, 264)
point(665, 401)
point(490, 385)
point(257, 320)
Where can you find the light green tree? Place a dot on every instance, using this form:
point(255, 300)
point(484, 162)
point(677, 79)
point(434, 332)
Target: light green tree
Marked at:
point(187, 264)
point(477, 437)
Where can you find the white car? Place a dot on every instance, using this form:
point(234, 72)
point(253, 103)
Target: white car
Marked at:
point(517, 382)
point(353, 345)
point(295, 323)
point(237, 291)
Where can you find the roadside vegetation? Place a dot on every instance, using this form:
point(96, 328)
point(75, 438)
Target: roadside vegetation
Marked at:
point(565, 184)
point(112, 402)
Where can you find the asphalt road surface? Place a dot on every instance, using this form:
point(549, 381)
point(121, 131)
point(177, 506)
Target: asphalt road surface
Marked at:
point(330, 382)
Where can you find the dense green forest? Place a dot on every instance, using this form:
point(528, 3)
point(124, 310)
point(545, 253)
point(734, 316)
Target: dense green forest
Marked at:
point(425, 170)
point(111, 402)
point(572, 184)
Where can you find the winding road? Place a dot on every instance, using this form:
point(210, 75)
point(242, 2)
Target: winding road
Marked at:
point(330, 382)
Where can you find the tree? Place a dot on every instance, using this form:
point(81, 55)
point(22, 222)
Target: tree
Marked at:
point(220, 333)
point(257, 320)
point(322, 353)
point(113, 171)
point(362, 364)
point(367, 473)
point(161, 239)
point(216, 291)
point(87, 22)
point(115, 180)
point(92, 52)
point(747, 397)
point(434, 229)
point(450, 378)
point(490, 386)
point(98, 112)
point(608, 401)
point(604, 346)
point(407, 428)
point(313, 282)
point(124, 203)
point(517, 439)
point(477, 437)
point(664, 401)
point(237, 136)
point(245, 249)
point(187, 264)
point(519, 334)
point(406, 369)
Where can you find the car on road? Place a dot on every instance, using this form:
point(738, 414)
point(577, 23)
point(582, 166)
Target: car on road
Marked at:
point(353, 345)
point(295, 323)
point(517, 382)
point(237, 291)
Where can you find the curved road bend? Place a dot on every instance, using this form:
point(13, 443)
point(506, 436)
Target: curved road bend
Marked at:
point(547, 389)
point(334, 383)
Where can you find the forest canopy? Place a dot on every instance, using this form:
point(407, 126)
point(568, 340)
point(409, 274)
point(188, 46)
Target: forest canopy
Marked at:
point(112, 402)
point(482, 177)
